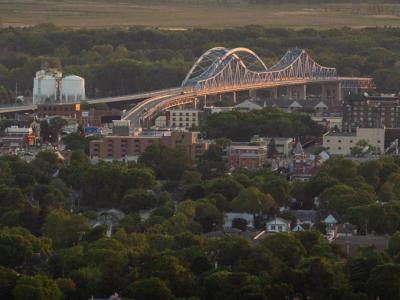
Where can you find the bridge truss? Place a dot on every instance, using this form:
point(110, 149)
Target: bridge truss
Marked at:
point(220, 68)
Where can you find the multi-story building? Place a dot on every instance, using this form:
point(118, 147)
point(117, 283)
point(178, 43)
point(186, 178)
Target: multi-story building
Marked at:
point(283, 145)
point(371, 112)
point(246, 156)
point(341, 142)
point(184, 118)
point(131, 147)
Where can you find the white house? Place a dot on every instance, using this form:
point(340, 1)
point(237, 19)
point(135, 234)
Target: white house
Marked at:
point(278, 225)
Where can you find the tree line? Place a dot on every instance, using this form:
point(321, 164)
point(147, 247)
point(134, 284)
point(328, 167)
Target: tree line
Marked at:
point(122, 61)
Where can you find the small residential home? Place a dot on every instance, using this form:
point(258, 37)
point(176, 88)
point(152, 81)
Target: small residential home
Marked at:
point(331, 226)
point(278, 225)
point(305, 218)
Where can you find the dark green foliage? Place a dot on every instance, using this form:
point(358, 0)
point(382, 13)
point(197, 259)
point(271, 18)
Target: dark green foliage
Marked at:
point(241, 126)
point(167, 163)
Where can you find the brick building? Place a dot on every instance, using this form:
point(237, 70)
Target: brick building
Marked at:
point(246, 157)
point(86, 117)
point(371, 112)
point(131, 147)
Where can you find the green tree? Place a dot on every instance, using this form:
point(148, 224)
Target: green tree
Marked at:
point(64, 230)
point(149, 288)
point(8, 280)
point(252, 200)
point(208, 216)
point(167, 163)
point(272, 151)
point(286, 247)
point(15, 250)
point(362, 148)
point(384, 282)
point(38, 287)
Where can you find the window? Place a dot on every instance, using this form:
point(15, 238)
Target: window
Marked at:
point(328, 141)
point(339, 148)
point(339, 141)
point(272, 227)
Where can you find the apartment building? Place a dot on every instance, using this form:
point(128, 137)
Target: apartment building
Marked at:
point(131, 147)
point(371, 112)
point(184, 118)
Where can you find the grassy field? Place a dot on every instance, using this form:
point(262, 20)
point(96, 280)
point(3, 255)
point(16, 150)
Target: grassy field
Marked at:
point(117, 13)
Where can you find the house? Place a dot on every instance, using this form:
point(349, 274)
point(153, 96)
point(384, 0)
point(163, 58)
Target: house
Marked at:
point(331, 226)
point(247, 105)
point(231, 216)
point(313, 105)
point(305, 218)
point(278, 225)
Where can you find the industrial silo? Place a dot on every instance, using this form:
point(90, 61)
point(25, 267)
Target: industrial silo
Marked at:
point(45, 86)
point(72, 89)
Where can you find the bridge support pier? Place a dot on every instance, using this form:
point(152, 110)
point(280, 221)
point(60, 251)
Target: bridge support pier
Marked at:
point(234, 98)
point(252, 94)
point(332, 94)
point(297, 92)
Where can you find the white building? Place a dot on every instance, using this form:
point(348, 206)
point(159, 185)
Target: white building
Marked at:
point(72, 89)
point(184, 118)
point(278, 225)
point(340, 143)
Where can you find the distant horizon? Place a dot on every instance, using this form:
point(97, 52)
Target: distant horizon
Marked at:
point(177, 15)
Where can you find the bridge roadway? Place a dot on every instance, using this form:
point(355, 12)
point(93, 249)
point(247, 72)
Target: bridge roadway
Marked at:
point(144, 95)
point(150, 107)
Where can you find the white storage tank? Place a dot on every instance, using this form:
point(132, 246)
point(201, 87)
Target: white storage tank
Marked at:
point(72, 89)
point(45, 87)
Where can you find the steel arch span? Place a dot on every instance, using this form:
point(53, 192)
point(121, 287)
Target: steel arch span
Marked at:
point(220, 68)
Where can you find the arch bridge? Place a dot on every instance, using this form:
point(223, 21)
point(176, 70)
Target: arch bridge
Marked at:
point(221, 70)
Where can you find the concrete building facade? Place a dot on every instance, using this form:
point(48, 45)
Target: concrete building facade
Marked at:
point(184, 118)
point(340, 143)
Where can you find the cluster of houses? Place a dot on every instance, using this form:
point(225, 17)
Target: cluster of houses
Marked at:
point(305, 220)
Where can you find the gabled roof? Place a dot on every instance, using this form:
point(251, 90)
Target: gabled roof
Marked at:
point(298, 150)
point(330, 220)
point(248, 105)
point(298, 228)
point(278, 220)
